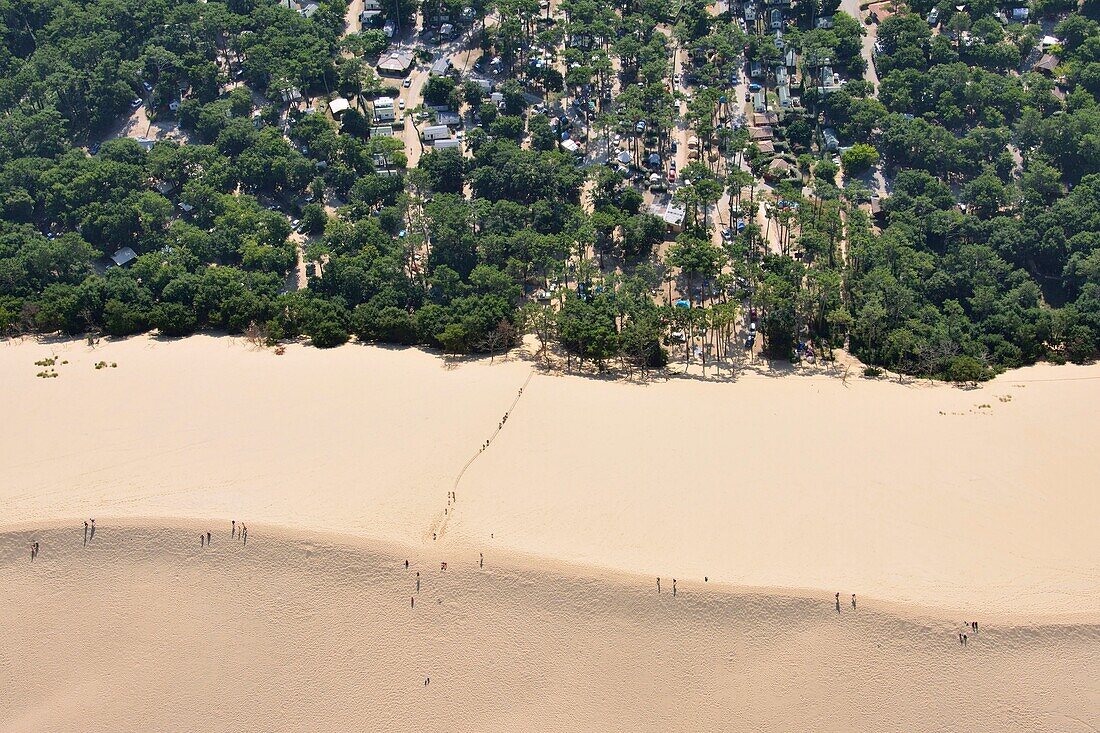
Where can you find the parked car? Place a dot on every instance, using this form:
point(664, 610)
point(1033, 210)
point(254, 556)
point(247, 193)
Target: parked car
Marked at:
point(401, 104)
point(407, 83)
point(136, 103)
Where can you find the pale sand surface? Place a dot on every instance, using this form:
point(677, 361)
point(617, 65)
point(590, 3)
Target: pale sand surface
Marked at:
point(913, 494)
point(143, 630)
point(934, 508)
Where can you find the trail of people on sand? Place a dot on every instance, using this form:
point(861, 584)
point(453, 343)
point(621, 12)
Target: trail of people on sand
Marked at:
point(439, 526)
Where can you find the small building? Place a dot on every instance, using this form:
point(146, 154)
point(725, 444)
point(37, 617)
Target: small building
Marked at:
point(824, 23)
point(338, 106)
point(372, 4)
point(877, 212)
point(1048, 42)
point(761, 133)
point(1020, 15)
point(370, 18)
point(790, 58)
point(759, 102)
point(440, 67)
point(672, 215)
point(784, 94)
point(781, 75)
point(571, 146)
point(447, 30)
point(123, 257)
point(382, 131)
point(290, 94)
point(485, 84)
point(1046, 65)
point(448, 118)
point(436, 132)
point(832, 142)
point(830, 81)
point(777, 169)
point(624, 157)
point(766, 146)
point(448, 143)
point(762, 119)
point(776, 16)
point(396, 62)
point(384, 110)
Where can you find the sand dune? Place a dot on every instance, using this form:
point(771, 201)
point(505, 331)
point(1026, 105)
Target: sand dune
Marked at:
point(935, 505)
point(143, 630)
point(965, 502)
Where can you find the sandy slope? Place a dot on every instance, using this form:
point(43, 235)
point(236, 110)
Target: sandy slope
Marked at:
point(981, 503)
point(143, 630)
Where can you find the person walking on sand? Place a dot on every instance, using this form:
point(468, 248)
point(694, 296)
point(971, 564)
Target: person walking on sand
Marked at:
point(838, 602)
point(960, 638)
point(658, 585)
point(93, 529)
point(674, 587)
point(417, 581)
point(233, 530)
point(202, 540)
point(244, 534)
point(208, 538)
point(964, 639)
point(412, 601)
point(406, 564)
point(853, 600)
point(481, 560)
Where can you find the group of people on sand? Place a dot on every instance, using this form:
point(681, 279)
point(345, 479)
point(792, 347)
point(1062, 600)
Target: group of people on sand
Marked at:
point(236, 530)
point(89, 533)
point(964, 636)
point(500, 425)
point(838, 602)
point(673, 586)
